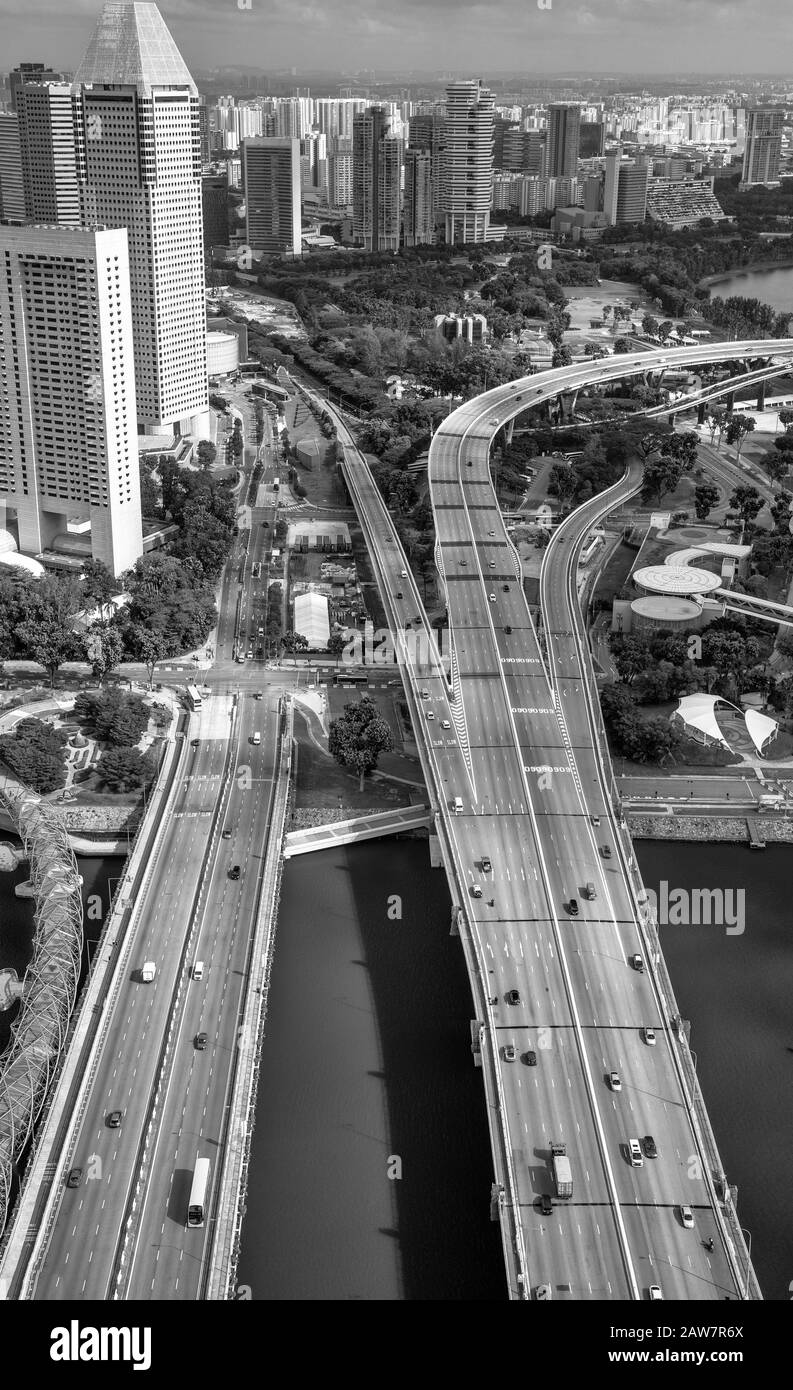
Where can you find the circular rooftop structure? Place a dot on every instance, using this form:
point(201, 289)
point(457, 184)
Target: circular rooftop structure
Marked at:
point(680, 581)
point(664, 610)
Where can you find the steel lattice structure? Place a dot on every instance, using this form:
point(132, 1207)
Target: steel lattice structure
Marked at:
point(51, 978)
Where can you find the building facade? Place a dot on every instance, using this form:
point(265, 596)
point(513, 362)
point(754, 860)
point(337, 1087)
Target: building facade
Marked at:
point(271, 175)
point(418, 216)
point(763, 150)
point(376, 181)
point(466, 178)
point(564, 141)
point(68, 437)
point(47, 113)
point(12, 188)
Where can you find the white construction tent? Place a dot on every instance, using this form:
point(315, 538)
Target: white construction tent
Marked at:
point(311, 619)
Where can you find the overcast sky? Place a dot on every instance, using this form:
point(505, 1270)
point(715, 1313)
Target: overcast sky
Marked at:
point(622, 36)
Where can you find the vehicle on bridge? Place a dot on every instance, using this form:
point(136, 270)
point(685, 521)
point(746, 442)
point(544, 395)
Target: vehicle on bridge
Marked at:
point(562, 1172)
point(635, 1155)
point(148, 971)
point(234, 871)
point(638, 963)
point(512, 996)
point(114, 1119)
point(614, 1081)
point(572, 907)
point(75, 1177)
point(198, 1193)
point(589, 892)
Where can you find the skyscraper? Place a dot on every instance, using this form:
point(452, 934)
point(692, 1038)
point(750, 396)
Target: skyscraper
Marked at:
point(271, 176)
point(376, 180)
point(467, 162)
point(68, 443)
point(139, 165)
point(340, 173)
point(625, 190)
point(564, 137)
point(12, 189)
point(31, 72)
point(49, 155)
point(763, 147)
point(418, 219)
point(215, 201)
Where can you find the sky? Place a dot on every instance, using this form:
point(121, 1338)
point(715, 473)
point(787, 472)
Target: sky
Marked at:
point(530, 36)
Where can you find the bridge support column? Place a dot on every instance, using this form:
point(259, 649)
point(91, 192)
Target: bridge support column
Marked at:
point(761, 395)
point(701, 413)
point(510, 430)
point(730, 402)
point(457, 913)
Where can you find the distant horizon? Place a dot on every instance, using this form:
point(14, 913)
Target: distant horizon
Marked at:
point(589, 39)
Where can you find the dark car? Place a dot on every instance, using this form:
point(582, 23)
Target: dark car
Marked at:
point(649, 1146)
point(486, 865)
point(200, 1041)
point(572, 907)
point(194, 742)
point(399, 593)
point(546, 1205)
point(530, 1058)
point(227, 833)
point(506, 588)
point(75, 1177)
point(114, 1119)
point(508, 629)
point(512, 996)
point(234, 871)
point(605, 850)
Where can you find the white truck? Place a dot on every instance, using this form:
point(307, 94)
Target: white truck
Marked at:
point(148, 971)
point(562, 1172)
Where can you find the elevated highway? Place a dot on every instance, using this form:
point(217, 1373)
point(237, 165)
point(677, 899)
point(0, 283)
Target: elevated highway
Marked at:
point(526, 758)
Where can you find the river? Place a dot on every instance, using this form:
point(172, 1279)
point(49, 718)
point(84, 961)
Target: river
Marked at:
point(773, 286)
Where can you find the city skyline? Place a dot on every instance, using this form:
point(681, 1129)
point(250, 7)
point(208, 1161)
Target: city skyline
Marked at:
point(594, 36)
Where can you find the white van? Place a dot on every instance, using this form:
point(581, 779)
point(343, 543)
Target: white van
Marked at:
point(198, 970)
point(458, 805)
point(257, 738)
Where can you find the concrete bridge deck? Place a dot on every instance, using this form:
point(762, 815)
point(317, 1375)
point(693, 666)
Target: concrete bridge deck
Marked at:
point(345, 832)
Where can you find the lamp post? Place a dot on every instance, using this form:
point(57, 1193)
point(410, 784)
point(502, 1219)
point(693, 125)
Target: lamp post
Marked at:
point(748, 1235)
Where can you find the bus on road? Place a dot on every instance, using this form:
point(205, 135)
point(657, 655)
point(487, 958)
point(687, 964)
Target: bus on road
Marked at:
point(193, 697)
point(198, 1193)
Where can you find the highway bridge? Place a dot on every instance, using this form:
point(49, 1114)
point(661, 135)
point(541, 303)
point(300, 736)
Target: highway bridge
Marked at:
point(550, 904)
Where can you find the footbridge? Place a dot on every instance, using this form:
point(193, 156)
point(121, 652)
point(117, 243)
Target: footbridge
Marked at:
point(347, 832)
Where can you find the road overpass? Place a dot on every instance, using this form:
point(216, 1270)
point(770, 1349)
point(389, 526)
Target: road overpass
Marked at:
point(527, 759)
point(347, 832)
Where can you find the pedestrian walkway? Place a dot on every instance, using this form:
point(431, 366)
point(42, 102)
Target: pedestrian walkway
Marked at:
point(345, 832)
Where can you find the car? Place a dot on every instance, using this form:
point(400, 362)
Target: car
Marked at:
point(654, 1292)
point(509, 1052)
point(491, 533)
point(234, 871)
point(258, 694)
point(476, 891)
point(546, 1205)
point(425, 694)
point(518, 398)
point(635, 1155)
point(649, 1036)
point(687, 1218)
point(491, 564)
point(194, 742)
point(650, 1146)
point(487, 867)
point(226, 833)
point(463, 561)
point(605, 850)
point(637, 963)
point(200, 1041)
point(512, 996)
point(595, 820)
point(445, 724)
point(614, 1081)
point(249, 654)
point(508, 630)
point(430, 714)
point(530, 1058)
point(572, 907)
point(403, 574)
point(114, 1119)
point(399, 593)
point(505, 588)
point(470, 464)
point(75, 1177)
point(492, 598)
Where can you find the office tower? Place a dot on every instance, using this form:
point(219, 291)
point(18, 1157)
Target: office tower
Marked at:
point(524, 151)
point(376, 180)
point(204, 129)
point(593, 193)
point(31, 72)
point(592, 140)
point(467, 162)
point(49, 155)
point(500, 128)
point(418, 219)
point(215, 205)
point(139, 162)
point(340, 174)
point(271, 175)
point(564, 133)
point(12, 189)
point(625, 190)
point(68, 442)
point(426, 132)
point(763, 147)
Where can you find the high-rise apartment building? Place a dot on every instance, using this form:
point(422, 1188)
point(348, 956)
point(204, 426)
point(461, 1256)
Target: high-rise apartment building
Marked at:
point(340, 174)
point(763, 149)
point(592, 140)
point(49, 154)
point(215, 204)
point(139, 165)
point(68, 438)
point(12, 188)
point(31, 72)
point(271, 177)
point(625, 190)
point(418, 218)
point(376, 181)
point(564, 139)
point(467, 162)
point(427, 132)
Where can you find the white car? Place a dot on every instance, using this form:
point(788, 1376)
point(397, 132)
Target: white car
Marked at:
point(614, 1081)
point(430, 714)
point(635, 1153)
point(445, 724)
point(404, 574)
point(655, 1293)
point(649, 1036)
point(687, 1218)
point(492, 598)
point(509, 1052)
point(492, 564)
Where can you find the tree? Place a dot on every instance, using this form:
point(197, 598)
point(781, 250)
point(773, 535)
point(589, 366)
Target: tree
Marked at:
point(650, 326)
point(124, 769)
point(747, 502)
point(706, 495)
point(294, 642)
point(562, 357)
point(776, 465)
point(738, 428)
point(631, 656)
point(596, 351)
point(622, 345)
point(336, 645)
point(661, 475)
point(664, 329)
point(104, 648)
point(47, 641)
point(98, 586)
point(682, 447)
point(149, 645)
point(716, 422)
point(357, 739)
point(786, 418)
point(562, 481)
point(206, 453)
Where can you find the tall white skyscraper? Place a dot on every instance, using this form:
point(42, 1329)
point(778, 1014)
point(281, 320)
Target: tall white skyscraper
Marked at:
point(139, 165)
point(12, 191)
point(68, 440)
point(49, 156)
point(467, 162)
